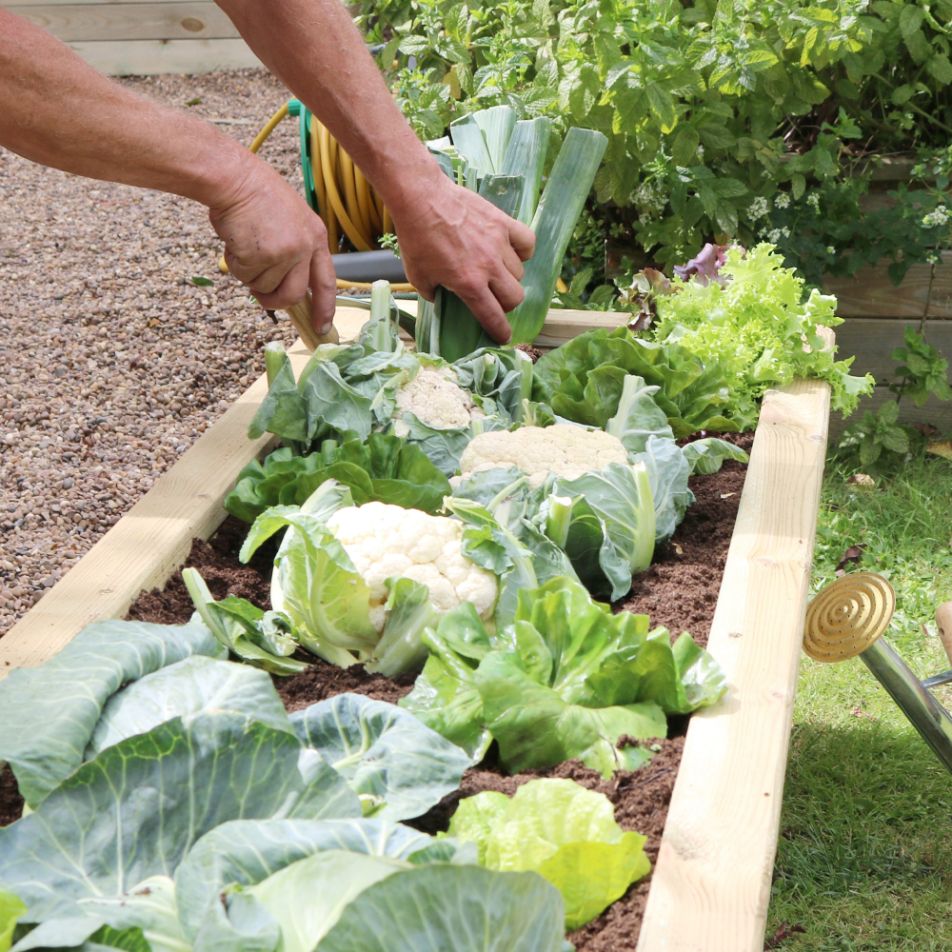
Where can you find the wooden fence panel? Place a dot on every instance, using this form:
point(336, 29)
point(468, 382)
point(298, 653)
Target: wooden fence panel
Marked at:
point(141, 37)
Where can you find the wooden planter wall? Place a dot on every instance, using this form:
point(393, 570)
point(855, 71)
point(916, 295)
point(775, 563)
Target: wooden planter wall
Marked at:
point(877, 312)
point(712, 881)
point(142, 37)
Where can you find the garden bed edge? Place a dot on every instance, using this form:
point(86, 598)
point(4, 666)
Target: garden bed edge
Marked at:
point(711, 885)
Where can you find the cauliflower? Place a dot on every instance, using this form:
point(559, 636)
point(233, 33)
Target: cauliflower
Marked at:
point(563, 450)
point(385, 541)
point(435, 397)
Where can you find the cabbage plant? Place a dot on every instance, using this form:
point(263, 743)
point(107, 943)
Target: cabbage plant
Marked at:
point(176, 806)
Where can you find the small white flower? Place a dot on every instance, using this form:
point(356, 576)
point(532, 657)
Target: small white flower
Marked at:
point(785, 231)
point(830, 250)
point(932, 258)
point(782, 200)
point(758, 208)
point(813, 200)
point(774, 235)
point(937, 217)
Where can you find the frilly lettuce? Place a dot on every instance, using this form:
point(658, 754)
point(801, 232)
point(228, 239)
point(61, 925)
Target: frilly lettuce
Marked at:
point(562, 831)
point(714, 349)
point(566, 679)
point(758, 322)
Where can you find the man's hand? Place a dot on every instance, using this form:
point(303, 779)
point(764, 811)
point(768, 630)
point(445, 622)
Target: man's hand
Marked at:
point(450, 236)
point(275, 244)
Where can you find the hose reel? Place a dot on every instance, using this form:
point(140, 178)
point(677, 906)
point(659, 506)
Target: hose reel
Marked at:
point(337, 190)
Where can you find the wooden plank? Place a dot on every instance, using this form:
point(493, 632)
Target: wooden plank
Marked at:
point(711, 885)
point(940, 300)
point(870, 293)
point(129, 21)
point(925, 291)
point(563, 324)
point(873, 340)
point(932, 413)
point(151, 541)
point(151, 57)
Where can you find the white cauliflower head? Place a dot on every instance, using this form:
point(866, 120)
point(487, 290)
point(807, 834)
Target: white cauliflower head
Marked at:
point(436, 398)
point(385, 541)
point(563, 450)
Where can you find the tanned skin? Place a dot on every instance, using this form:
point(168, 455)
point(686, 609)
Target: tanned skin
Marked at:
point(57, 110)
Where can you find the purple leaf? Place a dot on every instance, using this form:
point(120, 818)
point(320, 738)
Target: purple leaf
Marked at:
point(704, 266)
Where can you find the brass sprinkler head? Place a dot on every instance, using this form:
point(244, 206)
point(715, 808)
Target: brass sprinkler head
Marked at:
point(847, 616)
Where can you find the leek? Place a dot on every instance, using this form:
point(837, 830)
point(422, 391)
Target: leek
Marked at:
point(503, 159)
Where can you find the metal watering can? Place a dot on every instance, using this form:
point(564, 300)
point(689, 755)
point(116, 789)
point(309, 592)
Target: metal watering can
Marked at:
point(848, 618)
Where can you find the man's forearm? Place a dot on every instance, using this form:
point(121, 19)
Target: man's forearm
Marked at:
point(57, 110)
point(314, 47)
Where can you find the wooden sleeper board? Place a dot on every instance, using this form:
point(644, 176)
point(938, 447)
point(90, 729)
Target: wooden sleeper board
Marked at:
point(710, 888)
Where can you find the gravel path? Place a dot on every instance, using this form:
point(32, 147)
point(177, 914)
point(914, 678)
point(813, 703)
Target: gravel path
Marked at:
point(112, 361)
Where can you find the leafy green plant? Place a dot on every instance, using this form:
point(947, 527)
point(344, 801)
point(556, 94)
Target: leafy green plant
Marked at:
point(878, 439)
point(605, 513)
point(177, 805)
point(11, 908)
point(757, 318)
point(360, 584)
point(583, 381)
point(566, 679)
point(562, 831)
point(262, 638)
point(347, 392)
point(383, 467)
point(490, 152)
point(731, 325)
point(397, 767)
point(714, 111)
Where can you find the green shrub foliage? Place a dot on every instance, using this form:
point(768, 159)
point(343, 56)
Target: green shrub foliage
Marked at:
point(748, 119)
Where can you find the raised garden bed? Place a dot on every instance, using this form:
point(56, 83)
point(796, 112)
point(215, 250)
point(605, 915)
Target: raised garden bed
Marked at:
point(711, 883)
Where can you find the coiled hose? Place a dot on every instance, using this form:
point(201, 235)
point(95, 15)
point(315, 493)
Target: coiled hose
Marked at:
point(334, 187)
point(337, 190)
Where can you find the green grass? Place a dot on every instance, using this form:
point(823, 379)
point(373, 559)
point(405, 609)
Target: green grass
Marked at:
point(865, 854)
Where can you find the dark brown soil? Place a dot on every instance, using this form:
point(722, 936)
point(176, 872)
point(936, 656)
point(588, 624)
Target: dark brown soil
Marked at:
point(11, 803)
point(678, 591)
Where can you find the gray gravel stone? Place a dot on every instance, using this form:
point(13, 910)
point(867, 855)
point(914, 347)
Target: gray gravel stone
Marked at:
point(112, 362)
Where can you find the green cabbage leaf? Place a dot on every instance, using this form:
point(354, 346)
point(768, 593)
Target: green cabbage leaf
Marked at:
point(382, 467)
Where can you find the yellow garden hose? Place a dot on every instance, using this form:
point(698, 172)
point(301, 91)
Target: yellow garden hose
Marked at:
point(349, 206)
